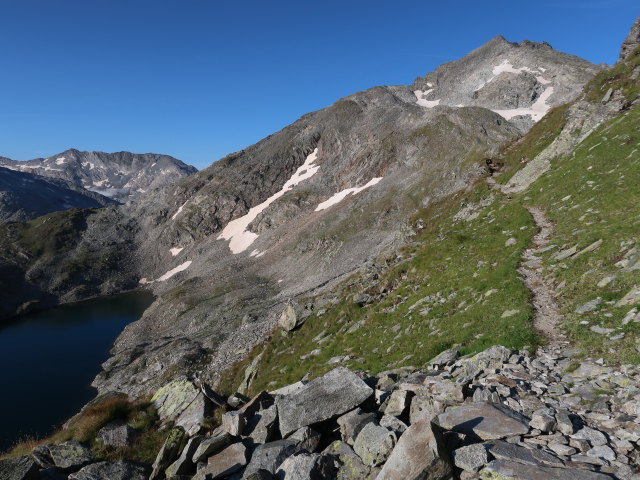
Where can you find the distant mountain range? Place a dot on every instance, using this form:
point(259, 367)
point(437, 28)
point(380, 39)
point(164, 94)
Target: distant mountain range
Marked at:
point(121, 176)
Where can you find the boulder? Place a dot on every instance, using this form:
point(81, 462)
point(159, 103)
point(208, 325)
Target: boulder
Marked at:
point(352, 422)
point(519, 471)
point(471, 457)
point(444, 359)
point(70, 455)
point(260, 475)
point(528, 456)
point(394, 424)
point(116, 434)
point(289, 318)
point(374, 444)
point(224, 463)
point(22, 468)
point(174, 398)
point(192, 417)
point(424, 407)
point(438, 389)
point(418, 455)
point(350, 465)
point(233, 422)
point(328, 396)
point(210, 446)
point(262, 426)
point(487, 421)
point(492, 358)
point(306, 466)
point(168, 452)
point(184, 464)
point(120, 470)
point(270, 455)
point(593, 436)
point(397, 403)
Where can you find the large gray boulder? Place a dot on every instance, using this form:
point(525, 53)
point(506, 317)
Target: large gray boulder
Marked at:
point(471, 457)
point(306, 466)
point(210, 446)
point(172, 399)
point(192, 417)
point(22, 468)
point(528, 456)
point(70, 455)
point(418, 455)
point(184, 464)
point(374, 444)
point(519, 471)
point(116, 434)
point(120, 470)
point(169, 451)
point(270, 455)
point(263, 425)
point(333, 394)
point(487, 421)
point(352, 422)
point(228, 461)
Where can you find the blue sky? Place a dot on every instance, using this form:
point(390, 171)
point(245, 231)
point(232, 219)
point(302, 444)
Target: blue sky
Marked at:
point(198, 79)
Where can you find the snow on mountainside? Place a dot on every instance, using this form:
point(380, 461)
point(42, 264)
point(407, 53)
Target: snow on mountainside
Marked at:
point(121, 176)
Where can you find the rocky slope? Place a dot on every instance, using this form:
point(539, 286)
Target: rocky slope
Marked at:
point(121, 176)
point(25, 196)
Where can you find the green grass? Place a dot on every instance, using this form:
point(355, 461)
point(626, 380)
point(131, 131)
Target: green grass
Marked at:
point(452, 287)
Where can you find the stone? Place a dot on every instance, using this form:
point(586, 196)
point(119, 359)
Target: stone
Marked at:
point(260, 475)
point(438, 389)
point(564, 423)
point(306, 466)
point(120, 470)
point(308, 439)
point(602, 451)
point(42, 457)
point(444, 359)
point(192, 417)
point(423, 407)
point(374, 444)
point(173, 398)
point(289, 318)
point(210, 446)
point(420, 454)
point(487, 421)
point(224, 463)
point(394, 424)
point(233, 422)
point(325, 397)
point(263, 425)
point(70, 455)
point(184, 464)
point(594, 437)
point(397, 403)
point(528, 456)
point(631, 298)
point(561, 449)
point(116, 434)
point(352, 422)
point(471, 457)
point(590, 306)
point(350, 464)
point(492, 358)
point(499, 469)
point(21, 468)
point(543, 422)
point(169, 451)
point(269, 456)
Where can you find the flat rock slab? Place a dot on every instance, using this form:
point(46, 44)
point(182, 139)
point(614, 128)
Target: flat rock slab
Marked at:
point(70, 455)
point(270, 455)
point(508, 451)
point(228, 461)
point(121, 470)
point(173, 398)
point(487, 421)
point(505, 469)
point(306, 466)
point(333, 394)
point(23, 468)
point(116, 434)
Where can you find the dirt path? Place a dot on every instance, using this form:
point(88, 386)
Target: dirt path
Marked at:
point(546, 316)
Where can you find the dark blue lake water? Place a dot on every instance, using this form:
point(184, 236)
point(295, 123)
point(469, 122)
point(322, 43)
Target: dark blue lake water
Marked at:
point(48, 360)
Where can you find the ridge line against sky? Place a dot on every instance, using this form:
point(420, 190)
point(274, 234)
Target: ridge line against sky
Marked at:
point(200, 79)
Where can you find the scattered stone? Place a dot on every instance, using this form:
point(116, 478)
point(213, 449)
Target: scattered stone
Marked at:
point(70, 455)
point(224, 463)
point(543, 421)
point(374, 444)
point(471, 457)
point(21, 468)
point(397, 404)
point(590, 306)
point(631, 298)
point(444, 359)
point(233, 422)
point(485, 420)
point(333, 394)
point(394, 424)
point(594, 437)
point(561, 449)
point(602, 451)
point(263, 425)
point(210, 446)
point(352, 422)
point(270, 455)
point(120, 470)
point(306, 466)
point(308, 439)
point(116, 434)
point(419, 454)
point(518, 471)
point(511, 452)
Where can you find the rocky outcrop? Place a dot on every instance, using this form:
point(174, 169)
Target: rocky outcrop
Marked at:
point(631, 42)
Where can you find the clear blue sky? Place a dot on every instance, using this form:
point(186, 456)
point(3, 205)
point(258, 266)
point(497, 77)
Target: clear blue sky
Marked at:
point(198, 79)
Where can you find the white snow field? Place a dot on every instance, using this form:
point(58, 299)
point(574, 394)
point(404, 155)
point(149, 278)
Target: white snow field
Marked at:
point(338, 197)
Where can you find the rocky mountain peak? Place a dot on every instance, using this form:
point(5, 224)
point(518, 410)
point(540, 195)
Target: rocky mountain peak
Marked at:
point(632, 41)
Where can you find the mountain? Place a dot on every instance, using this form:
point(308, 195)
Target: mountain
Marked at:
point(121, 176)
point(226, 249)
point(25, 196)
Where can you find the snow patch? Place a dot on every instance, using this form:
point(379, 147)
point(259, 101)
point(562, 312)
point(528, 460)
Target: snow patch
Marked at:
point(60, 161)
point(175, 251)
point(507, 67)
point(537, 110)
point(173, 271)
point(420, 100)
point(338, 197)
point(100, 183)
point(236, 230)
point(179, 210)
